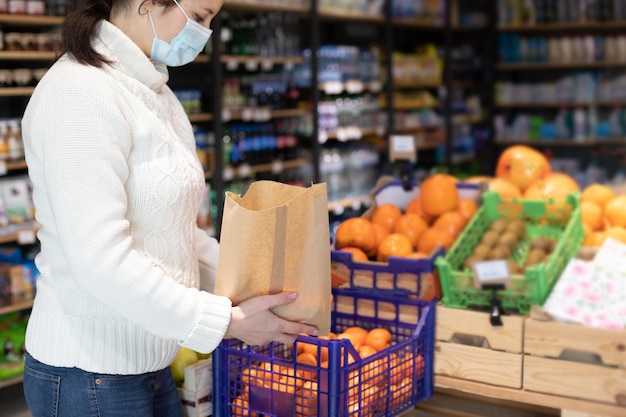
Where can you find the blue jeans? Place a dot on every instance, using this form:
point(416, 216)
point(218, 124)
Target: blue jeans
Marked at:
point(71, 392)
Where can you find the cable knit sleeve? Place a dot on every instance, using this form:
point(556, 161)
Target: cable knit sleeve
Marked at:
point(81, 137)
point(208, 253)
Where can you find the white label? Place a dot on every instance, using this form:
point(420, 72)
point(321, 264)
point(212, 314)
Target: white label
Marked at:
point(26, 237)
point(322, 137)
point(262, 114)
point(490, 271)
point(228, 174)
point(252, 65)
point(247, 114)
point(3, 167)
point(403, 143)
point(354, 87)
point(375, 86)
point(226, 115)
point(267, 65)
point(244, 170)
point(333, 87)
point(232, 64)
point(277, 166)
point(289, 65)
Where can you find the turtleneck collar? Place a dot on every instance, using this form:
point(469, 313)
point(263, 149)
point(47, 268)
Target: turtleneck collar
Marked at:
point(127, 57)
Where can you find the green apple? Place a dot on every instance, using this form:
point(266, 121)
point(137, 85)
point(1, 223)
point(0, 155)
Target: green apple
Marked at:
point(202, 356)
point(184, 358)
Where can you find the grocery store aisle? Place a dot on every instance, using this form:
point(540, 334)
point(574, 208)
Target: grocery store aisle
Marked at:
point(12, 402)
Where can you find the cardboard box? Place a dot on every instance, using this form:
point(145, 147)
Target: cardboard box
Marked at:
point(197, 394)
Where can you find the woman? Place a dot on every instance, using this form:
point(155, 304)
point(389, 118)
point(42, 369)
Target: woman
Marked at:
point(117, 187)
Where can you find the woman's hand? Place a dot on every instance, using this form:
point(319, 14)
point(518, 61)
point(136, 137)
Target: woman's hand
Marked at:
point(254, 323)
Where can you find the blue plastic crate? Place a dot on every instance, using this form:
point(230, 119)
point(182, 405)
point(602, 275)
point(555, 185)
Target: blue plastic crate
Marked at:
point(267, 380)
point(417, 278)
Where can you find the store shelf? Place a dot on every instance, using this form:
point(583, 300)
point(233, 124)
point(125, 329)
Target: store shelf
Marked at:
point(565, 26)
point(415, 129)
point(16, 304)
point(542, 66)
point(246, 170)
point(417, 23)
point(260, 114)
point(12, 381)
point(256, 62)
point(350, 16)
point(351, 133)
point(350, 87)
point(200, 117)
point(616, 103)
point(27, 20)
point(16, 91)
point(356, 203)
point(565, 143)
point(28, 55)
point(416, 86)
point(254, 6)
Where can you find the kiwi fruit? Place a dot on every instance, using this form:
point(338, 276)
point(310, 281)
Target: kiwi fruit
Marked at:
point(514, 269)
point(499, 225)
point(508, 239)
point(481, 250)
point(489, 238)
point(504, 249)
point(543, 243)
point(499, 252)
point(518, 227)
point(535, 256)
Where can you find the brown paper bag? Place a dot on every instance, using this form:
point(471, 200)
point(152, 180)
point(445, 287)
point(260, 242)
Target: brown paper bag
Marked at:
point(276, 238)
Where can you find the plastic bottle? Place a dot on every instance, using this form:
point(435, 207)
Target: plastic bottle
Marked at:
point(4, 148)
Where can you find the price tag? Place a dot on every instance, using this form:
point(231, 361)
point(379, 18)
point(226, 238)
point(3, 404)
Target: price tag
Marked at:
point(262, 114)
point(232, 64)
point(247, 114)
point(267, 65)
point(277, 166)
point(245, 170)
point(491, 273)
point(380, 131)
point(402, 148)
point(354, 87)
point(289, 65)
point(26, 237)
point(3, 168)
point(355, 132)
point(343, 134)
point(333, 87)
point(226, 115)
point(322, 137)
point(252, 64)
point(356, 204)
point(226, 34)
point(338, 209)
point(228, 174)
point(375, 86)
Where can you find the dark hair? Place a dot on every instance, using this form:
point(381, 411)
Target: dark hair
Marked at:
point(80, 26)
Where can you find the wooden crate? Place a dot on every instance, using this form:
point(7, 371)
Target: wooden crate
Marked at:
point(197, 394)
point(575, 361)
point(468, 347)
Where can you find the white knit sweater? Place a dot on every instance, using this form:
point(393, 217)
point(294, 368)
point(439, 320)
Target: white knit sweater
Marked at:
point(117, 187)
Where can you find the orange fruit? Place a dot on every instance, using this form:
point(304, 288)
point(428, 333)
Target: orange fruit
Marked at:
point(592, 215)
point(616, 232)
point(381, 232)
point(394, 244)
point(433, 238)
point(357, 254)
point(555, 185)
point(594, 239)
point(477, 179)
point(415, 206)
point(359, 332)
point(467, 208)
point(386, 215)
point(366, 350)
point(307, 359)
point(356, 232)
point(615, 211)
point(587, 229)
point(505, 188)
point(522, 165)
point(438, 194)
point(412, 226)
point(379, 338)
point(417, 255)
point(352, 337)
point(452, 222)
point(599, 194)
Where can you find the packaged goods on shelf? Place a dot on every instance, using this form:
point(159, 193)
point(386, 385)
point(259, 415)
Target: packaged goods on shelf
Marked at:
point(270, 380)
point(558, 221)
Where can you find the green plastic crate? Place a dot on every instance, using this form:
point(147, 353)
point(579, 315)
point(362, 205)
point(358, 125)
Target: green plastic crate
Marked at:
point(560, 220)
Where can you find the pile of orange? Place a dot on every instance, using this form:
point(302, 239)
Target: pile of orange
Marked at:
point(433, 219)
point(603, 215)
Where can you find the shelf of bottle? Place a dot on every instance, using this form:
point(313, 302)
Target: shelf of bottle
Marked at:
point(15, 304)
point(537, 66)
point(413, 85)
point(247, 171)
point(200, 117)
point(355, 203)
point(348, 133)
point(260, 6)
point(30, 20)
point(16, 91)
point(10, 166)
point(256, 62)
point(565, 142)
point(561, 26)
point(350, 15)
point(413, 106)
point(616, 103)
point(260, 114)
point(28, 55)
point(12, 381)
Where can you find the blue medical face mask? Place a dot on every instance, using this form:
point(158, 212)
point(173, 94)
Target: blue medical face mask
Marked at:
point(185, 46)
